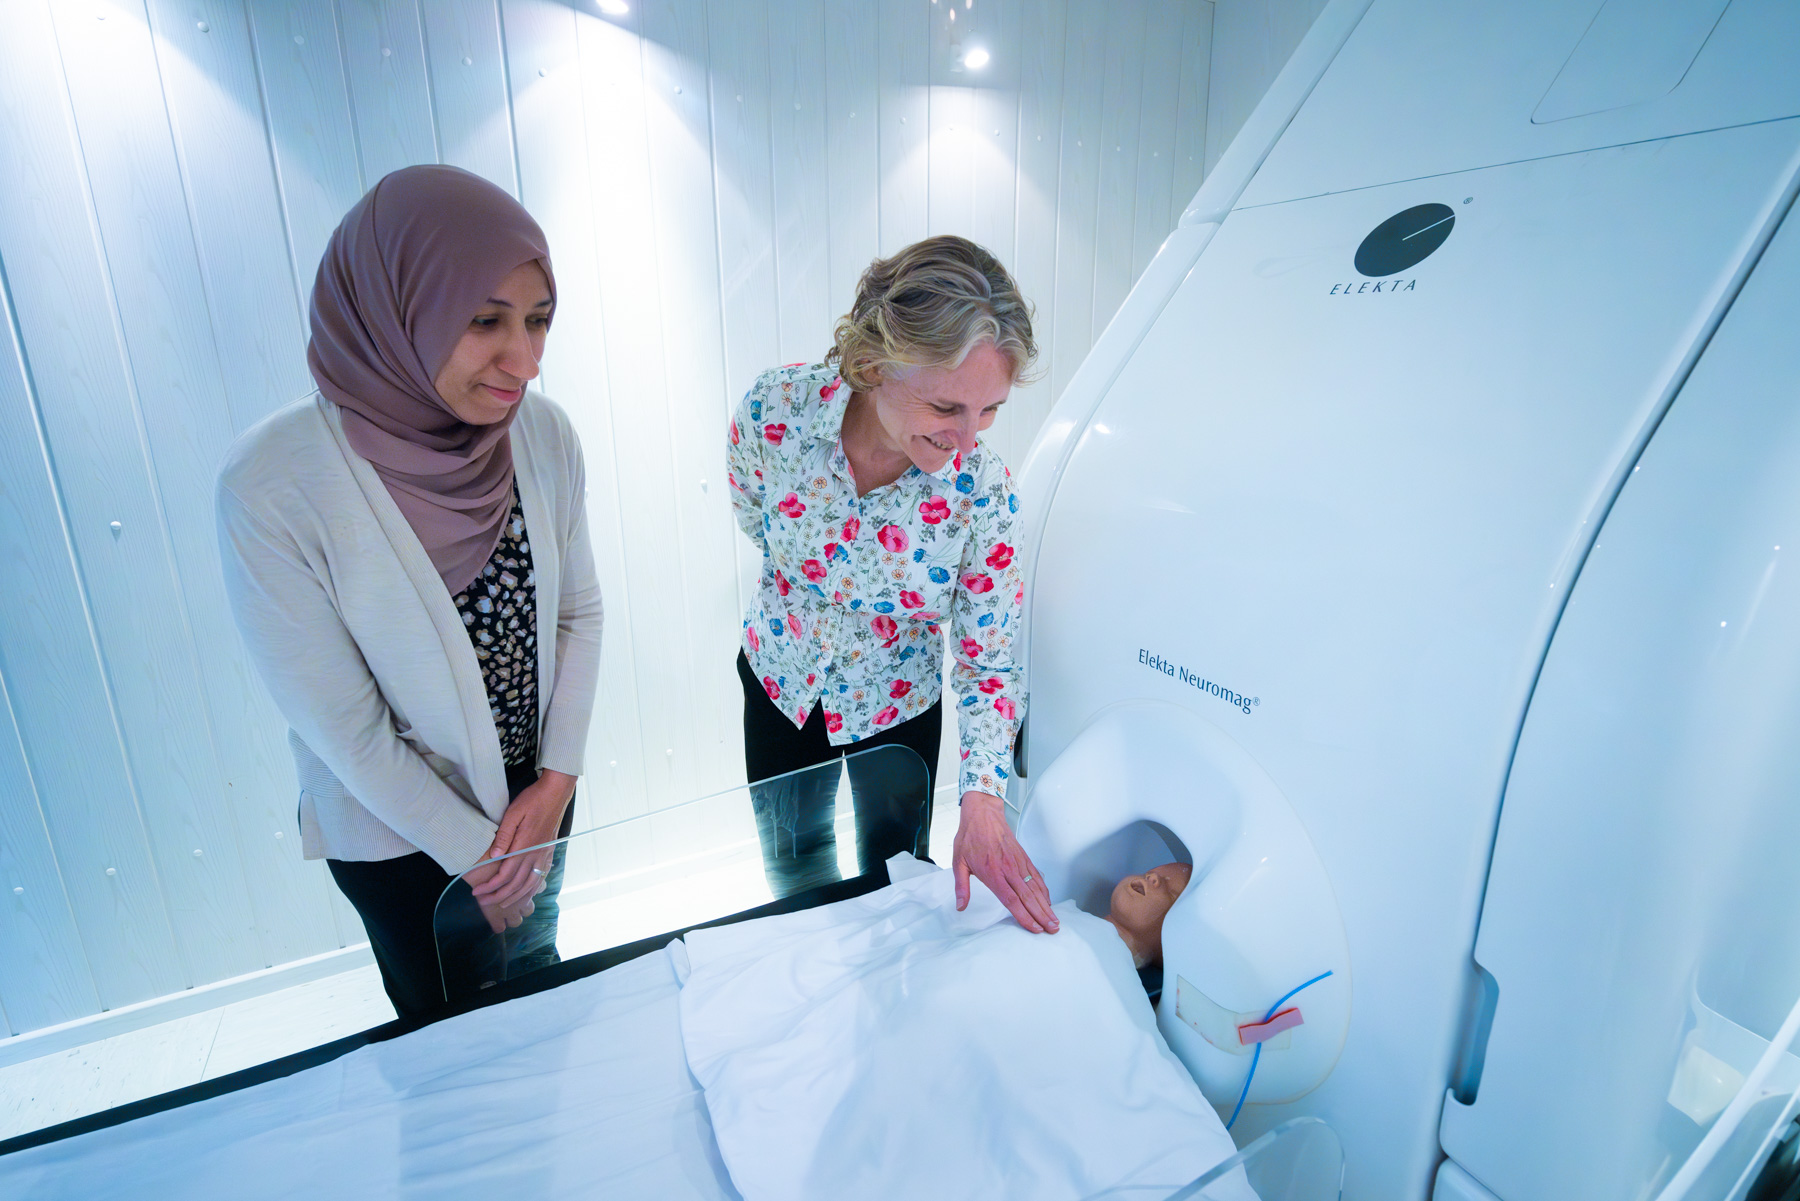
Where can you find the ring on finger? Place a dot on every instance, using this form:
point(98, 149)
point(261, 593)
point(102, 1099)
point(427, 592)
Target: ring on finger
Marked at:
point(1026, 879)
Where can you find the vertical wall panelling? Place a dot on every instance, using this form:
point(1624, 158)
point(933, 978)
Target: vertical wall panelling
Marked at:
point(1078, 186)
point(904, 71)
point(549, 119)
point(72, 355)
point(384, 61)
point(852, 140)
point(1116, 205)
point(698, 401)
point(631, 308)
point(1039, 158)
point(216, 877)
point(1254, 40)
point(713, 175)
point(467, 70)
point(308, 105)
point(1194, 154)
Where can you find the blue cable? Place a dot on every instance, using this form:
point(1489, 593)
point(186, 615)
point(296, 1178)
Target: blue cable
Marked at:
point(1256, 1055)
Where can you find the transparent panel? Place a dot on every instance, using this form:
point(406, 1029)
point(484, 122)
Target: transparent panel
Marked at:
point(680, 867)
point(1299, 1160)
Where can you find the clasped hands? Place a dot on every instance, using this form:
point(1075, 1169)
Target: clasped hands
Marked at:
point(504, 890)
point(987, 849)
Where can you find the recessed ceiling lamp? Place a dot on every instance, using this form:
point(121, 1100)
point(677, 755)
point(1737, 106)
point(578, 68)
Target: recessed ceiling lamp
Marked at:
point(614, 8)
point(975, 59)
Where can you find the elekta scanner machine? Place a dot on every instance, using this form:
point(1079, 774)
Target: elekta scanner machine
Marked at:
point(1414, 555)
point(1416, 551)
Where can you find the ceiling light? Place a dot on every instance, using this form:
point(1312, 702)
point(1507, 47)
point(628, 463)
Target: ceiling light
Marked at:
point(975, 59)
point(614, 8)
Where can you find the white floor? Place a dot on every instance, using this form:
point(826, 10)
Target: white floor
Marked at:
point(143, 1063)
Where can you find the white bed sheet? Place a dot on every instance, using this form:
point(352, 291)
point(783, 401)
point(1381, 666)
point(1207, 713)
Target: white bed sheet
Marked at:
point(889, 1047)
point(578, 1091)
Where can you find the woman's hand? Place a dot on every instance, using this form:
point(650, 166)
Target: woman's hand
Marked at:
point(986, 849)
point(534, 816)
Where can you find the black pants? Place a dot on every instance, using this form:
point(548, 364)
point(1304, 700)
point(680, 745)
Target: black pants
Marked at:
point(794, 818)
point(397, 900)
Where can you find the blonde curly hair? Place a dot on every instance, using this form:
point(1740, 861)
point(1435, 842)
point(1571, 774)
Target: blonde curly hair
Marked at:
point(929, 306)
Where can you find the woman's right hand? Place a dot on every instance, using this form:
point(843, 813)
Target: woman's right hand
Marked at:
point(504, 889)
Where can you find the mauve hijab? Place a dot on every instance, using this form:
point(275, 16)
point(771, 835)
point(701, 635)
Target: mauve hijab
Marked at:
point(402, 277)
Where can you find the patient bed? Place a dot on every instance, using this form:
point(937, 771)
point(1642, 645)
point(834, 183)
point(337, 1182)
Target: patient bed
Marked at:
point(574, 1081)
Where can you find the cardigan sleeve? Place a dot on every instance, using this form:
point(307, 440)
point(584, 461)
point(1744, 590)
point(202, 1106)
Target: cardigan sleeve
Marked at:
point(562, 744)
point(322, 685)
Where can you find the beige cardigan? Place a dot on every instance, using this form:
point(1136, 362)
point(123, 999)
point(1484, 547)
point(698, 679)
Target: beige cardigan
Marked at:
point(361, 646)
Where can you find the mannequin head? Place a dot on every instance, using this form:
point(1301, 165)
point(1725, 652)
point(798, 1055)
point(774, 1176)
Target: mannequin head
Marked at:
point(1139, 904)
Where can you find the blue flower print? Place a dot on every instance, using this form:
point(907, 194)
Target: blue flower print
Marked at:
point(777, 629)
point(939, 575)
point(883, 606)
point(985, 620)
point(1012, 502)
point(965, 483)
point(919, 555)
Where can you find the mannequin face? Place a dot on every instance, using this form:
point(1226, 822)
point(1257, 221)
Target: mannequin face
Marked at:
point(486, 374)
point(1139, 904)
point(931, 413)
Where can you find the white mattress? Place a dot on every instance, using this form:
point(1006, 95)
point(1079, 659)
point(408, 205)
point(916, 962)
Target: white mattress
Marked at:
point(578, 1091)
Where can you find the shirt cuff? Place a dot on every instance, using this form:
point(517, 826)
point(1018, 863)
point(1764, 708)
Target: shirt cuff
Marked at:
point(984, 774)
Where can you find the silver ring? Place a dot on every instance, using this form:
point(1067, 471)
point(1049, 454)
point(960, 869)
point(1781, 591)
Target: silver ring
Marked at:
point(540, 871)
point(1024, 879)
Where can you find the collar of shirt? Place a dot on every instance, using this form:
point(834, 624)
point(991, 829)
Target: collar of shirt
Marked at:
point(827, 425)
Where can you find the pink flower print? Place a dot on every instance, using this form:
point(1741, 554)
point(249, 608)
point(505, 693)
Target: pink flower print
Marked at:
point(892, 537)
point(934, 630)
point(772, 688)
point(813, 570)
point(828, 390)
point(1000, 556)
point(790, 506)
point(934, 510)
point(1007, 709)
point(793, 624)
point(833, 722)
point(830, 550)
point(990, 685)
point(886, 629)
point(752, 639)
point(734, 433)
point(810, 677)
point(978, 582)
point(899, 688)
point(852, 528)
point(911, 600)
point(775, 433)
point(781, 584)
point(956, 463)
point(971, 649)
point(886, 716)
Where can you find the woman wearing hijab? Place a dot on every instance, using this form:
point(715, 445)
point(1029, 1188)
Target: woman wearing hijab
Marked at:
point(406, 554)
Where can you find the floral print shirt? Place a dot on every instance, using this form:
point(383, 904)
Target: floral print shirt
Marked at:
point(856, 591)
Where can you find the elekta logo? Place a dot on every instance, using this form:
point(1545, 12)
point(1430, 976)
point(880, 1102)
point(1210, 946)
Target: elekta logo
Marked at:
point(1403, 240)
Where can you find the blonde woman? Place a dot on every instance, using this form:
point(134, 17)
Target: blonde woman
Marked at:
point(885, 525)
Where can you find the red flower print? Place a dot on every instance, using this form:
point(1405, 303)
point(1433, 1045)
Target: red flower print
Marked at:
point(971, 649)
point(826, 392)
point(978, 583)
point(790, 506)
point(830, 549)
point(810, 677)
point(934, 510)
point(990, 685)
point(885, 629)
point(934, 630)
point(734, 433)
point(775, 433)
point(911, 600)
point(813, 570)
point(956, 463)
point(752, 639)
point(793, 625)
point(1007, 709)
point(851, 529)
point(892, 537)
point(1000, 556)
point(885, 716)
point(899, 688)
point(834, 722)
point(781, 584)
point(772, 688)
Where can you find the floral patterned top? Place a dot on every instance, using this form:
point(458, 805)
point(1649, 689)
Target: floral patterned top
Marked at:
point(499, 608)
point(855, 592)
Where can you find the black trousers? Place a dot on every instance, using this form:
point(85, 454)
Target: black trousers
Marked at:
point(794, 818)
point(397, 900)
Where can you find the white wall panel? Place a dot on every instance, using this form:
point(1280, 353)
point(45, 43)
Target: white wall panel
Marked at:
point(713, 175)
point(1253, 39)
